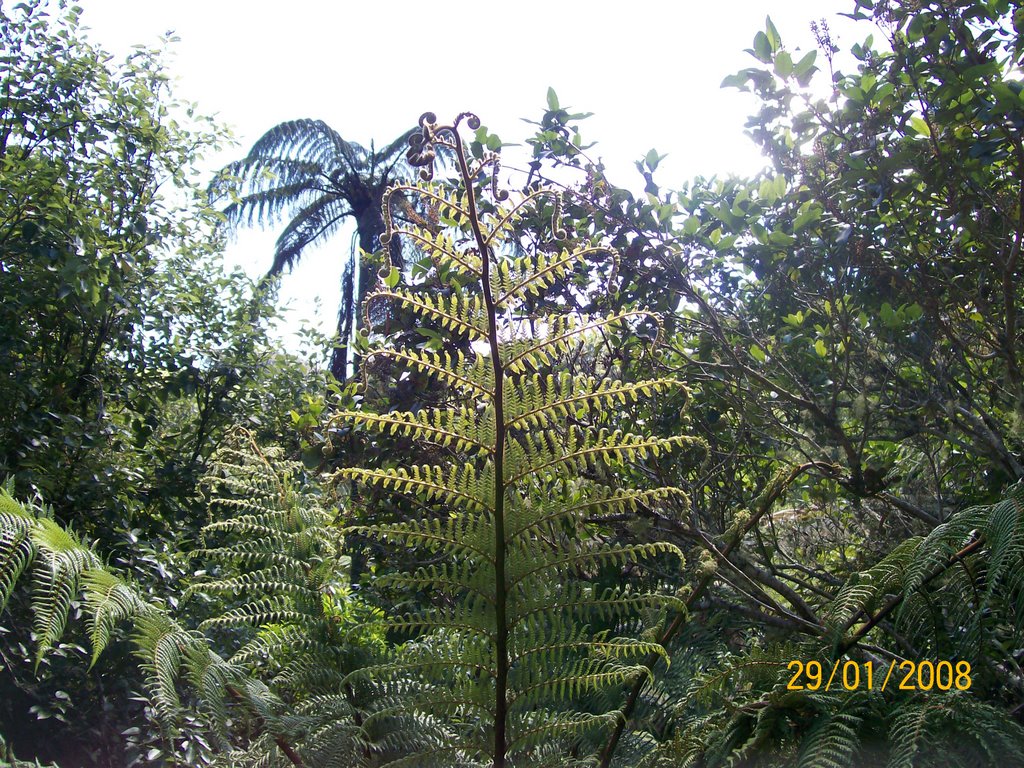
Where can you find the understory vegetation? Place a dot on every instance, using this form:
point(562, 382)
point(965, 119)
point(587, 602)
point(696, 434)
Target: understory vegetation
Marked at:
point(726, 475)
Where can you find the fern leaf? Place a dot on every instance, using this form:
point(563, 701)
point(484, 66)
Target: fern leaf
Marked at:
point(61, 561)
point(453, 313)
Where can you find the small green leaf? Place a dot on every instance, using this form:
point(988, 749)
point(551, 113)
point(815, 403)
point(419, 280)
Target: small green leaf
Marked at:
point(392, 278)
point(882, 92)
point(915, 31)
point(310, 457)
point(853, 93)
point(805, 66)
point(920, 126)
point(783, 64)
point(739, 80)
point(726, 243)
point(890, 318)
point(780, 238)
point(552, 100)
point(809, 213)
point(757, 353)
point(762, 48)
point(772, 34)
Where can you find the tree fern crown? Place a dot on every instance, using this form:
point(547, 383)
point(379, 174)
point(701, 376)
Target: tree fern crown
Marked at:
point(304, 172)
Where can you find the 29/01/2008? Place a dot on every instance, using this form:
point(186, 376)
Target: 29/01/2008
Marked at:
point(906, 675)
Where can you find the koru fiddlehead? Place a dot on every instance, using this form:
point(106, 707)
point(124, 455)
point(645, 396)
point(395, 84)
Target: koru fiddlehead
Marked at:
point(422, 152)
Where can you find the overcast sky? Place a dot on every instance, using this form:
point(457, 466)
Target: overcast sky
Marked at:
point(649, 71)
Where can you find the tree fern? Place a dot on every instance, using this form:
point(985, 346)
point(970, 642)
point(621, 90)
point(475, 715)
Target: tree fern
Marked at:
point(305, 172)
point(950, 590)
point(517, 635)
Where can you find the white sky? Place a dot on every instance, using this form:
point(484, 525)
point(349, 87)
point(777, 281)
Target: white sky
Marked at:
point(649, 71)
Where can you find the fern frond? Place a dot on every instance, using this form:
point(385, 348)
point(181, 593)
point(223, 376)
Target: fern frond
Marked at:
point(596, 500)
point(111, 601)
point(456, 313)
point(468, 374)
point(500, 224)
point(16, 548)
point(460, 535)
point(442, 252)
point(506, 593)
point(460, 486)
point(275, 609)
point(529, 569)
point(571, 724)
point(575, 450)
point(448, 578)
point(609, 605)
point(59, 566)
point(515, 279)
point(562, 334)
point(175, 658)
point(833, 739)
point(863, 590)
point(464, 430)
point(538, 402)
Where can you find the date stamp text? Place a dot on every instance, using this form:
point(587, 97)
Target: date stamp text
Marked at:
point(849, 675)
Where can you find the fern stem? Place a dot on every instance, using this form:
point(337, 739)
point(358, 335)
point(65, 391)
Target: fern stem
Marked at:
point(501, 587)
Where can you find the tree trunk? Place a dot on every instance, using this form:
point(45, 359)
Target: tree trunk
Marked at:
point(369, 228)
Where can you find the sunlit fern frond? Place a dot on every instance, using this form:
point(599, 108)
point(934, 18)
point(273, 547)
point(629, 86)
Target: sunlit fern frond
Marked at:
point(276, 587)
point(510, 659)
point(275, 572)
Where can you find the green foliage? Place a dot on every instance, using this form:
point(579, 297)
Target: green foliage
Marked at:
point(65, 569)
point(509, 577)
point(941, 592)
point(515, 639)
point(275, 585)
point(281, 597)
point(853, 317)
point(124, 346)
point(875, 298)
